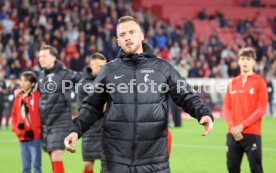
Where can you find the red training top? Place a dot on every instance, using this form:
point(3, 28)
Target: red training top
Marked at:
point(245, 103)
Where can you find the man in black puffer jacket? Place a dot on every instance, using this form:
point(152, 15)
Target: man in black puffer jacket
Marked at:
point(136, 86)
point(92, 138)
point(55, 107)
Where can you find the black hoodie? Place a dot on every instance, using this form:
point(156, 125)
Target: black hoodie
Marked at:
point(55, 108)
point(135, 121)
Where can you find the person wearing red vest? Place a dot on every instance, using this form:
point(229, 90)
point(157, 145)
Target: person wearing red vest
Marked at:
point(245, 103)
point(26, 123)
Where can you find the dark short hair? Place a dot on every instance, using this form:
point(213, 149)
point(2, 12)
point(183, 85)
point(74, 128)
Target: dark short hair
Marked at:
point(52, 49)
point(29, 76)
point(248, 51)
point(98, 56)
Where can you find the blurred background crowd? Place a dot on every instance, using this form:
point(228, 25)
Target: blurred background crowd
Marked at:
point(80, 28)
point(204, 46)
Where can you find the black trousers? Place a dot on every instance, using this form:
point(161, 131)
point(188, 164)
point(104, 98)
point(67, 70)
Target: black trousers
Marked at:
point(176, 113)
point(270, 104)
point(112, 167)
point(251, 145)
point(8, 110)
point(1, 113)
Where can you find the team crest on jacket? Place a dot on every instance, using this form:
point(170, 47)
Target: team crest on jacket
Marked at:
point(50, 77)
point(146, 78)
point(251, 91)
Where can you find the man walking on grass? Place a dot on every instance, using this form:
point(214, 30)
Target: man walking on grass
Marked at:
point(135, 122)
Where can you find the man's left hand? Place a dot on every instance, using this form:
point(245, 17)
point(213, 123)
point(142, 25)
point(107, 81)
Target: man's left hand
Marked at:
point(207, 122)
point(237, 129)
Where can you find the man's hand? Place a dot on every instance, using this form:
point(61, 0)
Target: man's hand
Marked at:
point(238, 137)
point(237, 132)
point(237, 129)
point(70, 142)
point(207, 122)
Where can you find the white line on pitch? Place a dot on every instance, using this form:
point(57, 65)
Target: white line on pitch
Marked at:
point(218, 147)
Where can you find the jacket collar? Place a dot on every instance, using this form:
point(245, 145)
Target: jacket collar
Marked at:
point(87, 73)
point(147, 53)
point(57, 66)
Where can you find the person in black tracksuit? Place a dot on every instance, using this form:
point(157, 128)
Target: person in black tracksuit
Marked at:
point(270, 90)
point(55, 106)
point(3, 92)
point(92, 138)
point(135, 130)
point(13, 85)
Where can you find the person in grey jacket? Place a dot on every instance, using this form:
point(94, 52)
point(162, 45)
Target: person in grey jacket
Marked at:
point(55, 106)
point(92, 138)
point(136, 86)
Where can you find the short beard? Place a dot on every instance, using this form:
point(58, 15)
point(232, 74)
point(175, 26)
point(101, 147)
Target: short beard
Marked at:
point(131, 51)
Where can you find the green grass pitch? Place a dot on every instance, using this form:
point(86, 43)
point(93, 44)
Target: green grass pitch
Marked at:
point(191, 153)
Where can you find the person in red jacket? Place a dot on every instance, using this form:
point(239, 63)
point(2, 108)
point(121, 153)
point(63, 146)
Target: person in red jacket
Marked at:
point(26, 122)
point(244, 105)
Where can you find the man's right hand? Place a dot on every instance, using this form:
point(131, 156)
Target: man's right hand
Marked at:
point(238, 137)
point(70, 142)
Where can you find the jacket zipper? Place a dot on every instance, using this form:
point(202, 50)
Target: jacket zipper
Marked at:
point(135, 117)
point(244, 80)
point(46, 115)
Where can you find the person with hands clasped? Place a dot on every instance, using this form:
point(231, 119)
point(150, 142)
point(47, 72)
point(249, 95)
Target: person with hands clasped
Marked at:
point(245, 103)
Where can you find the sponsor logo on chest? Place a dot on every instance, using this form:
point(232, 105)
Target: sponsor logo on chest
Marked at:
point(147, 71)
point(251, 91)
